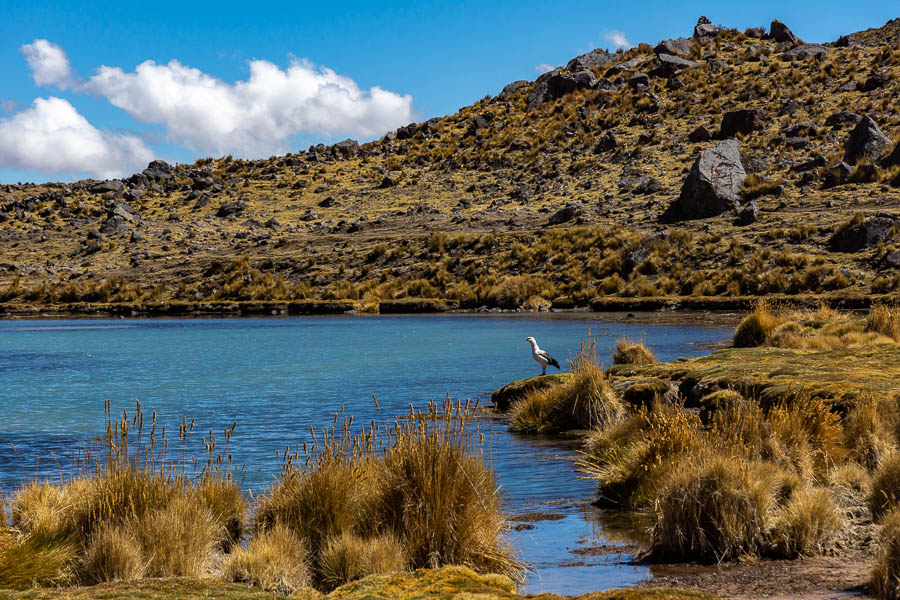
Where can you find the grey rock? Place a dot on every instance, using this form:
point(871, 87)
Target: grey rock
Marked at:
point(202, 183)
point(115, 225)
point(639, 79)
point(704, 28)
point(743, 121)
point(857, 236)
point(593, 59)
point(158, 169)
point(327, 202)
point(136, 237)
point(628, 65)
point(838, 174)
point(875, 81)
point(670, 66)
point(510, 88)
point(231, 208)
point(565, 214)
point(677, 47)
point(606, 143)
point(387, 182)
point(892, 159)
point(113, 185)
point(347, 149)
point(700, 134)
point(804, 52)
point(749, 213)
point(865, 141)
point(713, 185)
point(123, 210)
point(782, 34)
point(842, 118)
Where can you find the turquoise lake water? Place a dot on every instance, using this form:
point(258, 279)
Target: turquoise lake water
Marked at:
point(278, 376)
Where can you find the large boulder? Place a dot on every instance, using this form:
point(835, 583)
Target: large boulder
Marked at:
point(158, 169)
point(866, 141)
point(678, 47)
point(713, 185)
point(539, 92)
point(567, 213)
point(554, 85)
point(743, 121)
point(229, 209)
point(782, 34)
point(593, 59)
point(804, 52)
point(858, 235)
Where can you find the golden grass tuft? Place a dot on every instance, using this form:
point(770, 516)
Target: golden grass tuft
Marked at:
point(885, 486)
point(37, 560)
point(180, 539)
point(275, 560)
point(756, 327)
point(714, 511)
point(348, 557)
point(870, 430)
point(585, 403)
point(809, 518)
point(885, 580)
point(632, 353)
point(885, 320)
point(113, 554)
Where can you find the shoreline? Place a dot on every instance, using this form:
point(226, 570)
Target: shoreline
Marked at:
point(420, 306)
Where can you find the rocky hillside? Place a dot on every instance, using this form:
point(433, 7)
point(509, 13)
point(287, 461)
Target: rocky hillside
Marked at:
point(725, 165)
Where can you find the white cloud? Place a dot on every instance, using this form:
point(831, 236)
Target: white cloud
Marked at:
point(543, 68)
point(255, 117)
point(617, 38)
point(49, 63)
point(52, 137)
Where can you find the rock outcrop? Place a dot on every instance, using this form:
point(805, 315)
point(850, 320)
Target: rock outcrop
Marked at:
point(866, 141)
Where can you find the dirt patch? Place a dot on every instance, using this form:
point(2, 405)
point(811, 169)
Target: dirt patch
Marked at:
point(843, 576)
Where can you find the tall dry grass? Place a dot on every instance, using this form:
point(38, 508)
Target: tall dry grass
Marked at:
point(276, 560)
point(885, 581)
point(421, 482)
point(629, 352)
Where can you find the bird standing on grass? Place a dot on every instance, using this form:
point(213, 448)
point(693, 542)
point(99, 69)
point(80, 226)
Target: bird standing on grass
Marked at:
point(541, 356)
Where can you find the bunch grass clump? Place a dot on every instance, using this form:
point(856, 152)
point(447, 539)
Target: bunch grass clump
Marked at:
point(885, 581)
point(584, 403)
point(276, 560)
point(629, 352)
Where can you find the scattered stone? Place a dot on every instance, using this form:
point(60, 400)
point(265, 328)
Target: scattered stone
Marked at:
point(387, 182)
point(804, 52)
point(713, 185)
point(797, 143)
point(327, 202)
point(309, 215)
point(120, 209)
point(202, 183)
point(628, 65)
point(115, 225)
point(814, 163)
point(606, 143)
point(743, 121)
point(639, 79)
point(789, 107)
point(563, 215)
point(875, 81)
point(701, 134)
point(231, 208)
point(113, 185)
point(856, 236)
point(842, 118)
point(272, 223)
point(782, 34)
point(865, 141)
point(749, 213)
point(136, 237)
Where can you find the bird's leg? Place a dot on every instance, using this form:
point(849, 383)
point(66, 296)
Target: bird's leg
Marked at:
point(543, 370)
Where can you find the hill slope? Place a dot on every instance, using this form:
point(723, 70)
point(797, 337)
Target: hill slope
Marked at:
point(568, 189)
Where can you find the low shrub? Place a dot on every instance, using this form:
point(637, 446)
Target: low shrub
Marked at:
point(348, 557)
point(756, 327)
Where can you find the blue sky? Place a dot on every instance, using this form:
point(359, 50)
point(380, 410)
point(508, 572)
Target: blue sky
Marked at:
point(254, 79)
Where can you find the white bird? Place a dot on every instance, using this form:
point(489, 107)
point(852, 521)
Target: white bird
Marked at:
point(542, 357)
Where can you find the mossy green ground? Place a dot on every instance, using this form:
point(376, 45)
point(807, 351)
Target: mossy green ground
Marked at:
point(447, 583)
point(773, 374)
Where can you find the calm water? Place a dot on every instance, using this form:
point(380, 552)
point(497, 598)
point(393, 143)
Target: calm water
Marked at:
point(278, 376)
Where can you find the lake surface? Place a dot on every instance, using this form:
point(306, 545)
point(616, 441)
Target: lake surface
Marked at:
point(278, 376)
